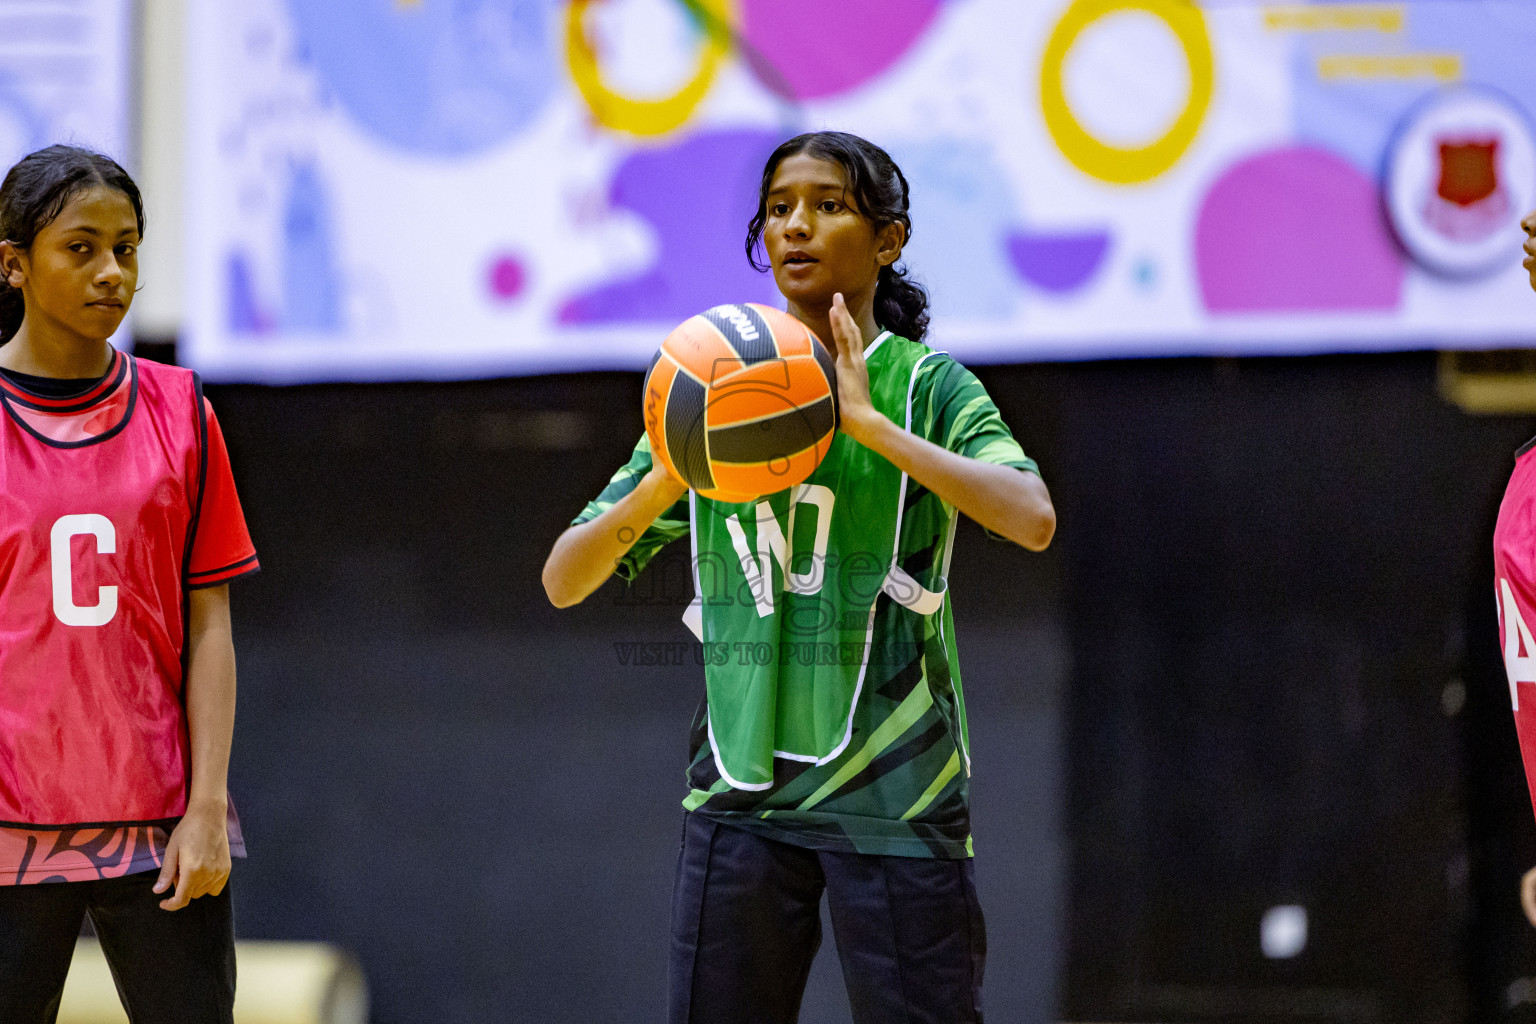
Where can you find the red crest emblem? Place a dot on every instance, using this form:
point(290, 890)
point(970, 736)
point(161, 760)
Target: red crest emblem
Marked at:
point(1468, 203)
point(1468, 170)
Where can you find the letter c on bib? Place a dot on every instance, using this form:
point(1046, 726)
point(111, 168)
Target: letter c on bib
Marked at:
point(69, 613)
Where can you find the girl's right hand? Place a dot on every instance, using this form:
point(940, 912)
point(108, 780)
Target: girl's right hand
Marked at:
point(586, 554)
point(661, 480)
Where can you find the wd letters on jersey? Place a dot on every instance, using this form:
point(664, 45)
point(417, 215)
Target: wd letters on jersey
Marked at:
point(773, 545)
point(62, 563)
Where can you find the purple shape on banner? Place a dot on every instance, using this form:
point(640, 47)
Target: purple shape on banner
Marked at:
point(506, 278)
point(447, 79)
point(1058, 263)
point(806, 49)
point(698, 197)
point(1295, 229)
point(245, 313)
point(312, 284)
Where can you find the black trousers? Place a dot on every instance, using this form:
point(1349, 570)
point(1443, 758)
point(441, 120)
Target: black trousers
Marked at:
point(746, 922)
point(171, 967)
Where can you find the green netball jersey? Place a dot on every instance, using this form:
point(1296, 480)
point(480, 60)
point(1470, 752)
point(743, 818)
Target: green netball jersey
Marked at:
point(833, 715)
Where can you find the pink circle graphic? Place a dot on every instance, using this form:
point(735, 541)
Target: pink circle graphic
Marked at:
point(806, 49)
point(507, 278)
point(1297, 229)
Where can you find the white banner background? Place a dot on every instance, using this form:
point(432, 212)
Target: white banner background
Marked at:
point(64, 78)
point(425, 188)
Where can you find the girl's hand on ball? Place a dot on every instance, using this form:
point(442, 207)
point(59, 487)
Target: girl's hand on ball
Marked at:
point(857, 413)
point(661, 480)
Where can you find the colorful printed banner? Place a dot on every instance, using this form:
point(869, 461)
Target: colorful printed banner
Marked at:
point(439, 188)
point(64, 77)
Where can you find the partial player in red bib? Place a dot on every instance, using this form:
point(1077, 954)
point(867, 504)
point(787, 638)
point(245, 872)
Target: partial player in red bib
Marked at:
point(119, 532)
point(1514, 560)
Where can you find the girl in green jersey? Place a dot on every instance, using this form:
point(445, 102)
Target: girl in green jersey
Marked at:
point(838, 763)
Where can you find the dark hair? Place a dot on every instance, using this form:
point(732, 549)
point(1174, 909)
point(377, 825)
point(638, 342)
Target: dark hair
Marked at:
point(36, 191)
point(879, 192)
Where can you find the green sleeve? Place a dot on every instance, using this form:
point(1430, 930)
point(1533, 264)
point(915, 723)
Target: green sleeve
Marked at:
point(669, 526)
point(960, 416)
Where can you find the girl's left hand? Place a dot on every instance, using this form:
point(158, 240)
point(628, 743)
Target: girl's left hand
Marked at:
point(196, 858)
point(858, 415)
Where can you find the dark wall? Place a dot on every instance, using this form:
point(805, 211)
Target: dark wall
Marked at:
point(469, 788)
point(1240, 678)
point(1269, 566)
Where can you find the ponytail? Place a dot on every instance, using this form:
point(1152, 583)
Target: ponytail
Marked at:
point(35, 191)
point(901, 304)
point(879, 191)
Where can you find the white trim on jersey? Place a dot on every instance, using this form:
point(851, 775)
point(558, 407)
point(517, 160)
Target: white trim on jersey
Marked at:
point(898, 584)
point(949, 552)
point(869, 628)
point(695, 614)
point(869, 349)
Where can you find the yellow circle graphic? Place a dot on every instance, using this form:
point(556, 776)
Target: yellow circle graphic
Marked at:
point(1114, 164)
point(648, 117)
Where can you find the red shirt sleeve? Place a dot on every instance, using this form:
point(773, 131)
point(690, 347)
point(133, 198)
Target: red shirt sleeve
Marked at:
point(222, 549)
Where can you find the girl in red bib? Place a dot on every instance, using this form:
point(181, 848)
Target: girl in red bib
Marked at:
point(119, 532)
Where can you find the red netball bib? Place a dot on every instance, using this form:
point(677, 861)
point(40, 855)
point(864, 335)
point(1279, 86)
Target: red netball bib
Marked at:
point(1514, 560)
point(99, 504)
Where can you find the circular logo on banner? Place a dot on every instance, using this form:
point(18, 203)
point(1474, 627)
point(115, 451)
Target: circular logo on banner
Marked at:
point(1460, 173)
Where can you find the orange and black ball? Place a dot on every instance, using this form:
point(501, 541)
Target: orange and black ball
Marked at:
point(740, 402)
